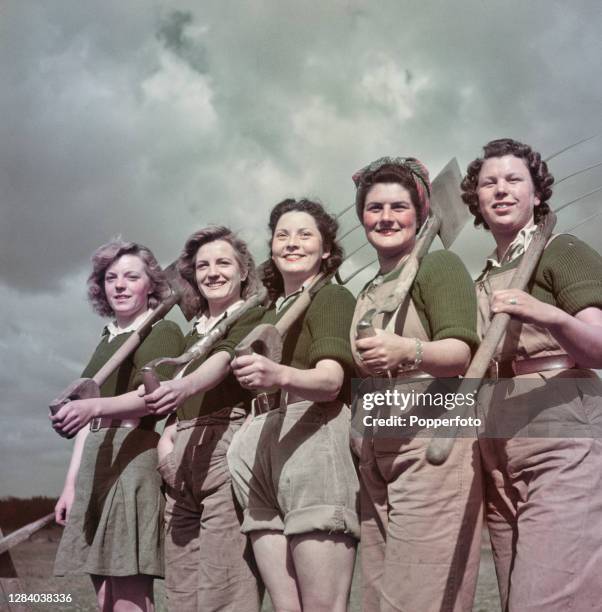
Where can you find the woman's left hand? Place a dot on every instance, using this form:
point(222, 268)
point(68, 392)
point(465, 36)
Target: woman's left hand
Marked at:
point(257, 372)
point(524, 307)
point(73, 416)
point(385, 351)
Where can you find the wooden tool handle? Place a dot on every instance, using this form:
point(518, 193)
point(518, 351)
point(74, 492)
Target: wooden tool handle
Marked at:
point(364, 327)
point(82, 388)
point(241, 351)
point(150, 380)
point(301, 304)
point(427, 234)
point(135, 340)
point(266, 339)
point(439, 448)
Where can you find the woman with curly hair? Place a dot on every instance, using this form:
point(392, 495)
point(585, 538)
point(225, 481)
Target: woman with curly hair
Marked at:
point(420, 523)
point(292, 469)
point(208, 562)
point(543, 467)
point(111, 504)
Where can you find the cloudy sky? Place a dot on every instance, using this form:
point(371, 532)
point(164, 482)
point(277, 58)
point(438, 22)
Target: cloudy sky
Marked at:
point(151, 119)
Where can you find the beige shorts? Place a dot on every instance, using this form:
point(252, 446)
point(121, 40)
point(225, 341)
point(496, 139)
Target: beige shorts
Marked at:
point(293, 471)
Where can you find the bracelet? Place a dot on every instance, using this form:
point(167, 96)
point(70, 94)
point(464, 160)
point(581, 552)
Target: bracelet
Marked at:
point(418, 355)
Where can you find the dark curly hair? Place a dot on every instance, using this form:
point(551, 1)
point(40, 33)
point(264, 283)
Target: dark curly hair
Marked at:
point(186, 261)
point(328, 227)
point(105, 256)
point(391, 173)
point(542, 178)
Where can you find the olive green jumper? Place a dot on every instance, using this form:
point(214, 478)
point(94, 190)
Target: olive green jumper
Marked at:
point(569, 275)
point(443, 294)
point(321, 333)
point(165, 338)
point(228, 393)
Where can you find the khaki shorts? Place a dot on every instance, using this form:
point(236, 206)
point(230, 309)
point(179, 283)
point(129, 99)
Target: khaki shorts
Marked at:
point(293, 471)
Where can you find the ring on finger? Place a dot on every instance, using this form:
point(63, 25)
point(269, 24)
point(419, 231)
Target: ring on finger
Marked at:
point(513, 301)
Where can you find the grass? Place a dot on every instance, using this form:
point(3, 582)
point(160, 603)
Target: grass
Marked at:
point(34, 560)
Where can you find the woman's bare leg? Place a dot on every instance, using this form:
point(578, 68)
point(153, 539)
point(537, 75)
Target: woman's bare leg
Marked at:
point(275, 563)
point(132, 593)
point(324, 567)
point(102, 586)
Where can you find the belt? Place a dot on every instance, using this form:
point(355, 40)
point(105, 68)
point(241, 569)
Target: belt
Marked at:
point(412, 374)
point(401, 374)
point(518, 367)
point(105, 422)
point(264, 402)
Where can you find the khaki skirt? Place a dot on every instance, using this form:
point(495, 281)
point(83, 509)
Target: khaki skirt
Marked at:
point(115, 525)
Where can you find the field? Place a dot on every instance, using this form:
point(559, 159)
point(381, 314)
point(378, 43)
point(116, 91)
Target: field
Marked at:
point(34, 558)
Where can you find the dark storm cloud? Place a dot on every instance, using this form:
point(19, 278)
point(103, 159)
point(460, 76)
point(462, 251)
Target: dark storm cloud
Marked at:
point(173, 32)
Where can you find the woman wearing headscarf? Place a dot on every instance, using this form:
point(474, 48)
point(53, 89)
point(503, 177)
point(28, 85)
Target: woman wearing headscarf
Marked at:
point(420, 524)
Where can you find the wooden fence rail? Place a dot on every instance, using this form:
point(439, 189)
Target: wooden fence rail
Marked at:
point(9, 581)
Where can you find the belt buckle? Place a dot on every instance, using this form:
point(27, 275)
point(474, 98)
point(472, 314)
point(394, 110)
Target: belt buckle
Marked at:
point(261, 403)
point(95, 424)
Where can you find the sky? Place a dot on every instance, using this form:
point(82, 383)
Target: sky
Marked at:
point(151, 119)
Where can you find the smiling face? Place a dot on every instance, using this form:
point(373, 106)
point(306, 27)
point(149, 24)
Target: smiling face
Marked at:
point(297, 248)
point(390, 222)
point(127, 287)
point(218, 275)
point(506, 195)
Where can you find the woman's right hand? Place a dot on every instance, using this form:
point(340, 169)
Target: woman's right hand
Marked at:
point(258, 372)
point(385, 351)
point(74, 416)
point(63, 506)
point(167, 398)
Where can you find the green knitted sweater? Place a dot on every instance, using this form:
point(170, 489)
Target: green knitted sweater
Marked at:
point(164, 340)
point(569, 275)
point(444, 297)
point(321, 333)
point(228, 393)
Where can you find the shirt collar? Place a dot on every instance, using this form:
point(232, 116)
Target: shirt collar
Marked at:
point(113, 329)
point(515, 249)
point(283, 301)
point(381, 277)
point(204, 324)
